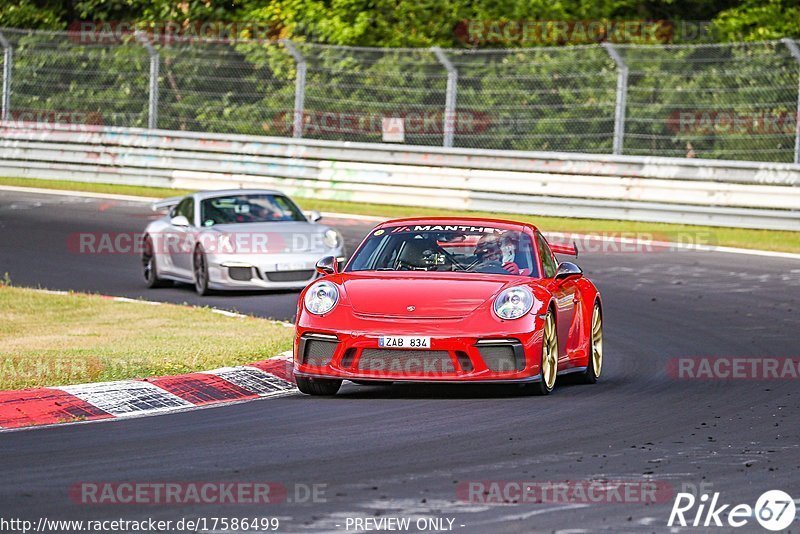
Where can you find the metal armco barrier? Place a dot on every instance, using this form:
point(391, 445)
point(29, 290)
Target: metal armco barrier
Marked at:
point(717, 193)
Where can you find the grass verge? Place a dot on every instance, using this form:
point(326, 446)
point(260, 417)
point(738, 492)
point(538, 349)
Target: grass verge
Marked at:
point(50, 340)
point(707, 235)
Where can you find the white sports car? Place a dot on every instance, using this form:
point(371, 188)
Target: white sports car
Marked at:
point(236, 239)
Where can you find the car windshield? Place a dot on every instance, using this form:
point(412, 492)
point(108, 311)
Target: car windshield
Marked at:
point(475, 249)
point(248, 209)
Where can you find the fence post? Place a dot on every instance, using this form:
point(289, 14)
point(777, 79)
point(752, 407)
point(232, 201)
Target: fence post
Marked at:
point(622, 97)
point(795, 51)
point(299, 88)
point(5, 105)
point(152, 108)
point(449, 124)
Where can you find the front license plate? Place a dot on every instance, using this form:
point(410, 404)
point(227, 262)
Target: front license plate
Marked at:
point(404, 342)
point(293, 266)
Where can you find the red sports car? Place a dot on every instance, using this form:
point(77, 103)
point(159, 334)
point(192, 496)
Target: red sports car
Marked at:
point(449, 300)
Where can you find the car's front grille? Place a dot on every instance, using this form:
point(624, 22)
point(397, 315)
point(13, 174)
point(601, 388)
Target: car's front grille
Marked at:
point(349, 356)
point(406, 361)
point(289, 276)
point(243, 274)
point(318, 352)
point(502, 357)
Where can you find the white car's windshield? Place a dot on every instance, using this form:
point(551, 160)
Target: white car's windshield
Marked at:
point(248, 209)
point(476, 249)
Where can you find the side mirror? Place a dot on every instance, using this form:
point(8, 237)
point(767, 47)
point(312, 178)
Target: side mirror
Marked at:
point(313, 216)
point(179, 220)
point(567, 269)
point(327, 265)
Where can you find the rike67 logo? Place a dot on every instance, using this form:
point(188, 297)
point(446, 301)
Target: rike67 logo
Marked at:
point(774, 510)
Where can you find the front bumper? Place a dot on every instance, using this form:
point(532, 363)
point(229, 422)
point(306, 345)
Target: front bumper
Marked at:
point(280, 271)
point(482, 356)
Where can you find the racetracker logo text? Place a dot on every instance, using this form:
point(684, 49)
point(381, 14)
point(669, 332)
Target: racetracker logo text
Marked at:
point(564, 491)
point(185, 493)
point(734, 368)
point(633, 242)
point(774, 510)
point(173, 243)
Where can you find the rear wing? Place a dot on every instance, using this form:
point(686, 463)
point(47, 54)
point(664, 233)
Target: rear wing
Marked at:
point(167, 203)
point(565, 248)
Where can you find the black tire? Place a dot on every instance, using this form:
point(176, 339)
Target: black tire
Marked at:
point(200, 269)
point(149, 265)
point(594, 365)
point(545, 385)
point(318, 386)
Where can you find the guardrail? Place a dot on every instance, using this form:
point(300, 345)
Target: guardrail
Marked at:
point(717, 193)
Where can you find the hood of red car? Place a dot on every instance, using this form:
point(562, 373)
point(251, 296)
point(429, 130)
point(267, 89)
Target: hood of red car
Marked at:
point(392, 294)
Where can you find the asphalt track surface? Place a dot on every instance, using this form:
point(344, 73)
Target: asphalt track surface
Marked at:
point(404, 450)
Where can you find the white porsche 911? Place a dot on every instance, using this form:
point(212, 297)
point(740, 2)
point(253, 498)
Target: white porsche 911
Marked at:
point(236, 239)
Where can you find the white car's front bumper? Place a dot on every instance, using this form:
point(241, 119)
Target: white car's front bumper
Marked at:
point(273, 271)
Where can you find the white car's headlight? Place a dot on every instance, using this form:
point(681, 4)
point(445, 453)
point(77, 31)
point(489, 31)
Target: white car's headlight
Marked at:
point(513, 303)
point(332, 239)
point(321, 298)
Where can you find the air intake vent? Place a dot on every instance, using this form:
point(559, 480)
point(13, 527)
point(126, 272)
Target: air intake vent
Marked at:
point(406, 361)
point(349, 356)
point(506, 357)
point(289, 276)
point(464, 361)
point(243, 274)
point(318, 352)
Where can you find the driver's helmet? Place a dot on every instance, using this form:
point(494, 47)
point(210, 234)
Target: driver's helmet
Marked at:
point(509, 244)
point(488, 248)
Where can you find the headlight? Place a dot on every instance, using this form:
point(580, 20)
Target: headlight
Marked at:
point(332, 239)
point(321, 298)
point(513, 303)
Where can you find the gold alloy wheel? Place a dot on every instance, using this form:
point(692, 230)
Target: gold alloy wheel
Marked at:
point(597, 341)
point(549, 352)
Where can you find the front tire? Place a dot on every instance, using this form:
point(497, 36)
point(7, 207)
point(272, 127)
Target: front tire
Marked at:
point(318, 386)
point(548, 367)
point(595, 364)
point(200, 266)
point(149, 266)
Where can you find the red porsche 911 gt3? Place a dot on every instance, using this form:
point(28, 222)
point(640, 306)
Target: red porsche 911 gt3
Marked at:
point(449, 300)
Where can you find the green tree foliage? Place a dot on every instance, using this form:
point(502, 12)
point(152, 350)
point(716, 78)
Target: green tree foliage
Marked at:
point(435, 22)
point(27, 14)
point(759, 20)
point(409, 23)
point(712, 101)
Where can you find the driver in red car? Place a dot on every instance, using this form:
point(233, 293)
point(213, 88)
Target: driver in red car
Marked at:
point(496, 255)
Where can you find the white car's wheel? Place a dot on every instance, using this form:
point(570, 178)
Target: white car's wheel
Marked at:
point(200, 264)
point(149, 265)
